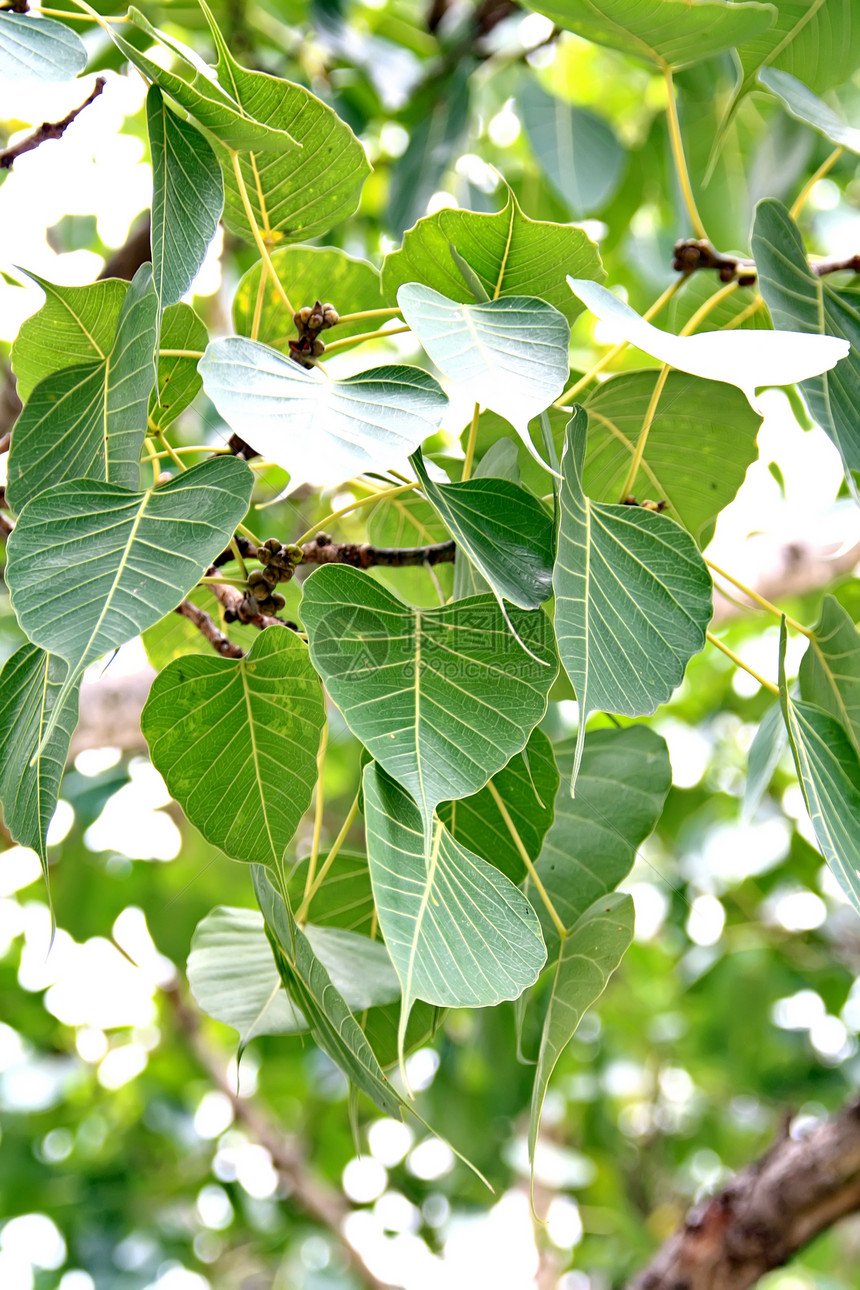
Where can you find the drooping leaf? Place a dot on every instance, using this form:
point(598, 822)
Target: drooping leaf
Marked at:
point(700, 443)
point(511, 254)
point(764, 756)
point(187, 198)
point(816, 40)
point(441, 698)
point(524, 791)
point(830, 669)
point(504, 530)
point(179, 381)
point(828, 768)
point(667, 33)
point(75, 326)
point(310, 988)
point(805, 106)
point(459, 933)
point(800, 300)
point(500, 461)
point(89, 422)
point(309, 273)
point(236, 741)
point(576, 149)
point(319, 429)
point(34, 48)
point(91, 564)
point(633, 598)
point(30, 684)
point(508, 354)
point(747, 359)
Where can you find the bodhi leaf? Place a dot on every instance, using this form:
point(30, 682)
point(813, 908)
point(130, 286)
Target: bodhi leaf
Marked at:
point(633, 598)
point(187, 198)
point(505, 532)
point(764, 756)
point(90, 564)
point(89, 422)
point(511, 254)
point(508, 354)
point(237, 740)
point(459, 933)
point(817, 40)
point(747, 359)
point(37, 48)
point(828, 768)
point(500, 461)
point(830, 669)
point(805, 106)
point(441, 698)
point(76, 325)
point(30, 684)
point(576, 149)
point(522, 794)
point(700, 443)
point(178, 378)
point(797, 298)
point(667, 33)
point(319, 429)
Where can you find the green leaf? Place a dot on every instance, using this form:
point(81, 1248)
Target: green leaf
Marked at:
point(509, 354)
point(505, 531)
point(89, 422)
point(187, 198)
point(179, 381)
point(576, 149)
point(830, 668)
point(237, 740)
point(37, 48)
point(633, 598)
point(410, 520)
point(310, 273)
point(233, 977)
point(816, 40)
point(75, 325)
point(511, 254)
point(764, 756)
point(501, 461)
point(586, 961)
point(30, 684)
point(320, 430)
point(668, 33)
point(459, 933)
point(798, 299)
point(699, 446)
point(526, 788)
point(91, 564)
point(441, 698)
point(439, 122)
point(805, 106)
point(829, 772)
point(310, 987)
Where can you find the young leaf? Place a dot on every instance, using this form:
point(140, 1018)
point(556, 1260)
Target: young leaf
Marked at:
point(805, 106)
point(509, 354)
point(577, 150)
point(187, 198)
point(459, 933)
point(747, 359)
point(236, 741)
point(441, 698)
point(633, 598)
point(511, 255)
point(505, 532)
point(89, 422)
point(798, 299)
point(320, 430)
point(75, 326)
point(39, 49)
point(830, 669)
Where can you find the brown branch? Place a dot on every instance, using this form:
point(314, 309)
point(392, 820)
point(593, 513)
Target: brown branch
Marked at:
point(127, 259)
point(47, 130)
point(210, 629)
point(767, 1213)
point(363, 556)
point(693, 253)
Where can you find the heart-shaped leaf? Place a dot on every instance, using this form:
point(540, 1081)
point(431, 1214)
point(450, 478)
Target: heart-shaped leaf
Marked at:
point(747, 359)
point(441, 698)
point(75, 326)
point(577, 150)
point(508, 354)
point(830, 669)
point(805, 106)
point(237, 740)
point(39, 49)
point(633, 598)
point(187, 198)
point(321, 430)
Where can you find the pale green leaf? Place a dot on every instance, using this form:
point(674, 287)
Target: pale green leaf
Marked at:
point(830, 669)
point(805, 106)
point(75, 326)
point(39, 49)
point(440, 115)
point(576, 149)
point(764, 756)
point(179, 381)
point(816, 40)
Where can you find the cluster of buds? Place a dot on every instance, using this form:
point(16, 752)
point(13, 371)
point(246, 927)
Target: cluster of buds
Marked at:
point(310, 320)
point(279, 564)
point(647, 504)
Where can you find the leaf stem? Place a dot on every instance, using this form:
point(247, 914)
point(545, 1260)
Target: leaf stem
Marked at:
point(353, 506)
point(318, 813)
point(639, 451)
point(738, 662)
point(677, 144)
point(802, 197)
point(526, 859)
point(180, 353)
point(221, 582)
point(79, 17)
point(258, 237)
point(366, 335)
point(760, 600)
point(311, 888)
point(153, 457)
point(367, 313)
point(234, 547)
point(470, 444)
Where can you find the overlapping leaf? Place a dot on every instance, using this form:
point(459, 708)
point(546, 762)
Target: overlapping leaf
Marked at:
point(39, 49)
point(633, 598)
point(321, 430)
point(817, 40)
point(765, 754)
point(187, 198)
point(830, 668)
point(500, 461)
point(75, 326)
point(805, 106)
point(442, 698)
point(178, 378)
point(236, 741)
point(577, 150)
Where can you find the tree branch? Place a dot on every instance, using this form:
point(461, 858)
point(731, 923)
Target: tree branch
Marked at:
point(47, 130)
point(693, 253)
point(127, 259)
point(322, 550)
point(210, 629)
point(767, 1213)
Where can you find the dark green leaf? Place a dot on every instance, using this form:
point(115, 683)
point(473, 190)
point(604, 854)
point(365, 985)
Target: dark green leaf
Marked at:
point(179, 381)
point(39, 49)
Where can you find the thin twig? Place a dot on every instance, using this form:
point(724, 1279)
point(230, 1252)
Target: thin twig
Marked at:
point(695, 253)
point(47, 130)
point(210, 629)
point(364, 556)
